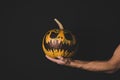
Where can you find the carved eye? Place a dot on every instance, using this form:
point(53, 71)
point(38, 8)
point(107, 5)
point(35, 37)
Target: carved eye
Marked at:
point(68, 36)
point(53, 35)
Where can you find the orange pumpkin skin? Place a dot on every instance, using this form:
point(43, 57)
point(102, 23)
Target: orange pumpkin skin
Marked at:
point(59, 42)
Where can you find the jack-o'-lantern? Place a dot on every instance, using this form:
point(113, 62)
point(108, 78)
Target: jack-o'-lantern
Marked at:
point(59, 42)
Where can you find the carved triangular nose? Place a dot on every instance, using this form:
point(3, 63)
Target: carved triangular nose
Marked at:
point(61, 34)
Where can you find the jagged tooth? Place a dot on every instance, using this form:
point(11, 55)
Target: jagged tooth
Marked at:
point(56, 41)
point(67, 53)
point(55, 50)
point(52, 41)
point(59, 41)
point(48, 50)
point(63, 51)
point(49, 41)
point(59, 50)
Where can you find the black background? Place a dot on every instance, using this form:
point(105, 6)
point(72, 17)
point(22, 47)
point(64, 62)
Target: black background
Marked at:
point(95, 25)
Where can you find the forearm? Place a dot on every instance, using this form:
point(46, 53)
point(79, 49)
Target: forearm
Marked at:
point(111, 65)
point(101, 66)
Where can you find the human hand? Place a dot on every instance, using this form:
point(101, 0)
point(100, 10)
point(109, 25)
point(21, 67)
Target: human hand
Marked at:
point(60, 60)
point(66, 61)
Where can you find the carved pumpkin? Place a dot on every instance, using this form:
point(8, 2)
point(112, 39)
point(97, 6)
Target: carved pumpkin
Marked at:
point(59, 42)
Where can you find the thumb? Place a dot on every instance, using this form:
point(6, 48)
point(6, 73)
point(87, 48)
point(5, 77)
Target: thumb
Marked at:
point(60, 57)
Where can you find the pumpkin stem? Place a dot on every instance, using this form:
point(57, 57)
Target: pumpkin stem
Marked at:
point(59, 24)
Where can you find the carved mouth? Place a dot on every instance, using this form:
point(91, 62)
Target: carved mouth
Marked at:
point(58, 46)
